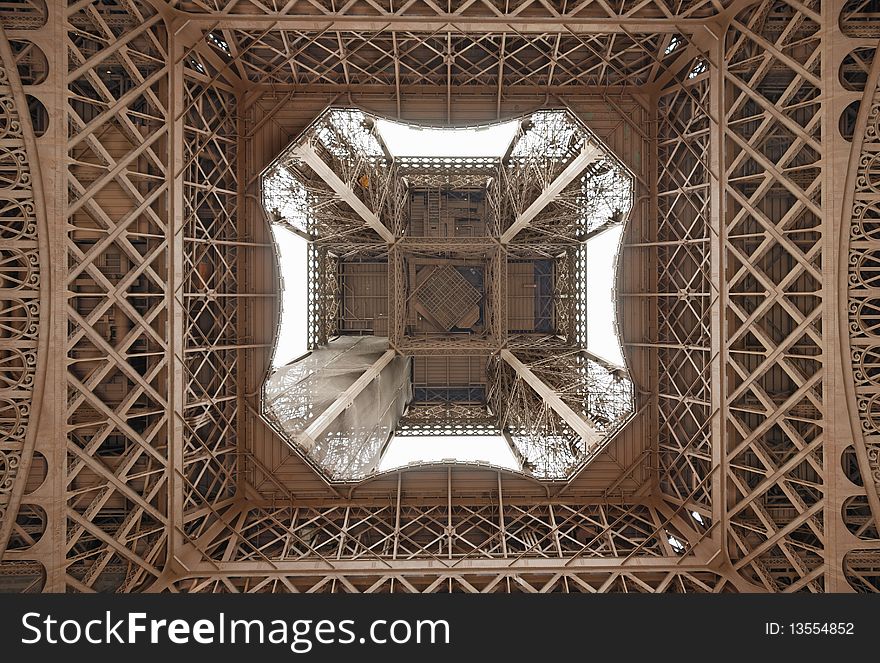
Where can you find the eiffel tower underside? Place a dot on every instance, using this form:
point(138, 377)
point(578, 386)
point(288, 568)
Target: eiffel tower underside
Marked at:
point(738, 448)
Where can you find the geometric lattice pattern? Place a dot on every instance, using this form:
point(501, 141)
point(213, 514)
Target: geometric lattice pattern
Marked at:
point(340, 187)
point(448, 295)
point(137, 300)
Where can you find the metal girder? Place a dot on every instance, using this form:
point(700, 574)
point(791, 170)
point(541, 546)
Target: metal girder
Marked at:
point(307, 439)
point(741, 244)
point(588, 155)
point(442, 23)
point(581, 427)
point(343, 190)
point(432, 566)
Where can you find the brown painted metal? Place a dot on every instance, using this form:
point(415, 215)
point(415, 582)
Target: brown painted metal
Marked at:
point(139, 291)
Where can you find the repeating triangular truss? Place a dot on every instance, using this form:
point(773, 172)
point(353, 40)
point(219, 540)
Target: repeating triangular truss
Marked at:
point(136, 327)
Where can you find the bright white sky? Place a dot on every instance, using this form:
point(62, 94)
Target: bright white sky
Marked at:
point(492, 141)
point(601, 253)
point(434, 448)
point(409, 141)
point(292, 338)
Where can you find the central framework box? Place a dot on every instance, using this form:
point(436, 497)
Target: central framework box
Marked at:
point(465, 281)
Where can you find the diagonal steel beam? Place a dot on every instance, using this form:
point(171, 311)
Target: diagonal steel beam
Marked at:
point(588, 155)
point(308, 155)
point(575, 421)
point(307, 439)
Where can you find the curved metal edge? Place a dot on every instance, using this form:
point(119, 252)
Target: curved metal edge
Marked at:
point(45, 256)
point(848, 378)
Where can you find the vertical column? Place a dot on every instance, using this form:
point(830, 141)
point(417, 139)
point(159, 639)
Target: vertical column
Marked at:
point(176, 300)
point(52, 440)
point(718, 290)
point(244, 234)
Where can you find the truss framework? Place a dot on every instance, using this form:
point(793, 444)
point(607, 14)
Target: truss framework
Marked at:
point(122, 460)
point(556, 181)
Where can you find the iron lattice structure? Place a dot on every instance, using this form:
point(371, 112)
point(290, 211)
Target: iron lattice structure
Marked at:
point(138, 296)
point(557, 185)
